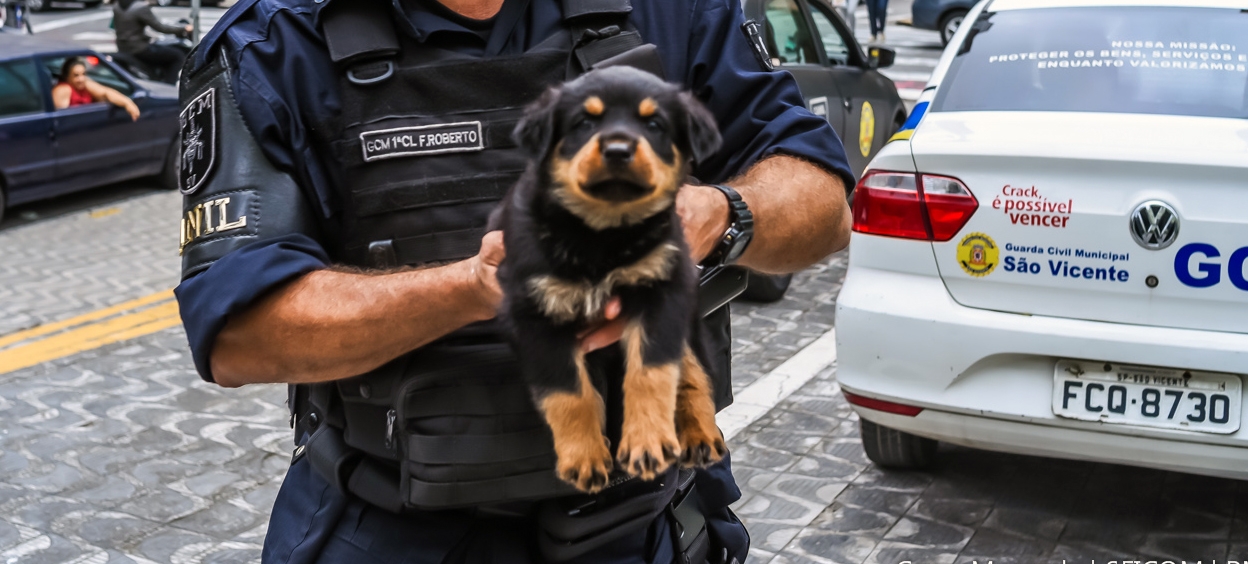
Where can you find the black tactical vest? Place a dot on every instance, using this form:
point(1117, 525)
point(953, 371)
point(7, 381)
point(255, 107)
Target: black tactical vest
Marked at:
point(423, 152)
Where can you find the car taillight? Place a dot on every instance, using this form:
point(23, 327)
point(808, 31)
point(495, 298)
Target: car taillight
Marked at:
point(881, 405)
point(912, 206)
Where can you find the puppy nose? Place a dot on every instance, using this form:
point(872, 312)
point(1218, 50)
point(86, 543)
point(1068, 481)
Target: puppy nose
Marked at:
point(618, 150)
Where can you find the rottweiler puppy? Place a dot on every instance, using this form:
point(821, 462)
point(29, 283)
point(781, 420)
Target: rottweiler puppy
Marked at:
point(593, 217)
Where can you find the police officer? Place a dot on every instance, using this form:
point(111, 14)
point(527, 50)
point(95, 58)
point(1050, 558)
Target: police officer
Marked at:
point(339, 159)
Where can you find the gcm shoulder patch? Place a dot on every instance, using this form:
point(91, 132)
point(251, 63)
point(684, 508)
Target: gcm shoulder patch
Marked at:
point(199, 141)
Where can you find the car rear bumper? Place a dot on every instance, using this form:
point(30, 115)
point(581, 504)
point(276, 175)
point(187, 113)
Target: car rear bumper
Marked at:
point(985, 378)
point(1076, 444)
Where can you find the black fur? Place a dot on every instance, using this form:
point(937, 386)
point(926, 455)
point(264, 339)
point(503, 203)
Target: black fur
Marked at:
point(542, 237)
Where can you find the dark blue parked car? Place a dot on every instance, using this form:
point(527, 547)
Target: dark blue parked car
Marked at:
point(46, 152)
point(941, 15)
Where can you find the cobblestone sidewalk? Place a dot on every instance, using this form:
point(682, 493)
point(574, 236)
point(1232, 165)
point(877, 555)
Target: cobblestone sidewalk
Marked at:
point(122, 455)
point(88, 260)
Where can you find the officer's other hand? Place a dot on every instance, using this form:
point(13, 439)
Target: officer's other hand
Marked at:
point(704, 215)
point(606, 332)
point(484, 273)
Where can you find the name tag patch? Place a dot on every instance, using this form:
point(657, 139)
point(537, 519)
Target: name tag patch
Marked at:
point(422, 140)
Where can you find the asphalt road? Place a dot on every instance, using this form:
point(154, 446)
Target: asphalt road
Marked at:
point(89, 26)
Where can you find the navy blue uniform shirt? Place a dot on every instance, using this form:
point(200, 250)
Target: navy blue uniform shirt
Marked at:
point(283, 80)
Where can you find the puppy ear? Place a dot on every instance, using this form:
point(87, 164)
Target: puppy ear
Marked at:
point(537, 127)
point(701, 133)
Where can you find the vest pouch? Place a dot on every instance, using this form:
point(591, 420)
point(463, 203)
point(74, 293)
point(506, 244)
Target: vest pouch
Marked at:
point(572, 526)
point(468, 433)
point(367, 412)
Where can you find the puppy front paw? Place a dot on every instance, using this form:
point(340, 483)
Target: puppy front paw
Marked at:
point(585, 464)
point(646, 454)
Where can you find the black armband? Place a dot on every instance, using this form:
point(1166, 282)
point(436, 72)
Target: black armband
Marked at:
point(232, 195)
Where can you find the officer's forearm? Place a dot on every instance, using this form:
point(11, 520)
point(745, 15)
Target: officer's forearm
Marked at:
point(328, 324)
point(800, 214)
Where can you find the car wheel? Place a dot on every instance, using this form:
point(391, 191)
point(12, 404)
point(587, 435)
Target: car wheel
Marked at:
point(36, 5)
point(169, 174)
point(949, 25)
point(890, 448)
point(766, 288)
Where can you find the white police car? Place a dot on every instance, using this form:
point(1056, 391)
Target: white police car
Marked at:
point(1051, 257)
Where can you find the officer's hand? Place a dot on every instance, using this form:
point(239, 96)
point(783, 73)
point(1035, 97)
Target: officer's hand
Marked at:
point(606, 332)
point(484, 277)
point(704, 215)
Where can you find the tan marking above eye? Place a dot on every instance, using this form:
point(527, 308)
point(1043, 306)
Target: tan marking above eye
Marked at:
point(594, 106)
point(647, 107)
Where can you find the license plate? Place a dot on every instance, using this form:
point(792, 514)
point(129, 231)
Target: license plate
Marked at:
point(56, 4)
point(1146, 396)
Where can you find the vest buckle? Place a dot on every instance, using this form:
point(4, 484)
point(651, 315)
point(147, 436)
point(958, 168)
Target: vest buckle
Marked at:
point(595, 34)
point(377, 72)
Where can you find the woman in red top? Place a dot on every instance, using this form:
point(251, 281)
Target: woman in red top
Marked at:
point(75, 89)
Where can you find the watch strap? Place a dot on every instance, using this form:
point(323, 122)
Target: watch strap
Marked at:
point(740, 225)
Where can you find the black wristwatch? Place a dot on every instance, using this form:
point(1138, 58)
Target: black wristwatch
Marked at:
point(740, 230)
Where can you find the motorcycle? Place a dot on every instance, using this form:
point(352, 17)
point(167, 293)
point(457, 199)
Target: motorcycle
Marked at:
point(145, 71)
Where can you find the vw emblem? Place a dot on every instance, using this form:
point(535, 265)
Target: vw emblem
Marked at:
point(1154, 225)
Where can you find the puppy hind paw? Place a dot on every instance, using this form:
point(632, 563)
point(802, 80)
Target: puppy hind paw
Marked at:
point(587, 471)
point(648, 459)
point(702, 449)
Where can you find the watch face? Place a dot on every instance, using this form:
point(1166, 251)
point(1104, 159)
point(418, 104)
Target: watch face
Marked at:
point(738, 247)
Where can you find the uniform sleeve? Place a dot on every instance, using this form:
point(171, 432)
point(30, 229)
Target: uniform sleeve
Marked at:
point(246, 226)
point(760, 113)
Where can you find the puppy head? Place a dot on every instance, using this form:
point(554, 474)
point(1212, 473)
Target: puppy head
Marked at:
point(617, 143)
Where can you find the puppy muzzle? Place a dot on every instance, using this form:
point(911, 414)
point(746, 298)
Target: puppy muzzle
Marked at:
point(623, 171)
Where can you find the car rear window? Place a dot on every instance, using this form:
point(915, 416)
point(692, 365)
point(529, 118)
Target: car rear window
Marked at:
point(1149, 60)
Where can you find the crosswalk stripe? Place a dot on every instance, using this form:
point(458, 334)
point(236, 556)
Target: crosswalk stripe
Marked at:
point(70, 21)
point(929, 62)
point(903, 75)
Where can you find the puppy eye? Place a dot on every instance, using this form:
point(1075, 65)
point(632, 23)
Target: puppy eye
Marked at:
point(654, 125)
point(586, 125)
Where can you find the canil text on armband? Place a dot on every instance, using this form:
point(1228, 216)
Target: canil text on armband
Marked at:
point(210, 217)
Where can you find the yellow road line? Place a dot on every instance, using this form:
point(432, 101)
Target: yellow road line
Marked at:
point(85, 318)
point(90, 331)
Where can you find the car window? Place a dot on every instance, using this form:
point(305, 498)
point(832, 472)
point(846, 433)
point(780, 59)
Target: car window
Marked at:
point(105, 75)
point(1143, 60)
point(789, 38)
point(834, 45)
point(96, 70)
point(19, 88)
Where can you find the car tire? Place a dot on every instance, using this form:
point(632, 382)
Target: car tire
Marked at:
point(3, 203)
point(949, 25)
point(898, 450)
point(169, 174)
point(36, 5)
point(766, 288)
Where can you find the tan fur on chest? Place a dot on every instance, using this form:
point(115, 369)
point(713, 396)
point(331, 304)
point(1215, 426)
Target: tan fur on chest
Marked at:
point(566, 300)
